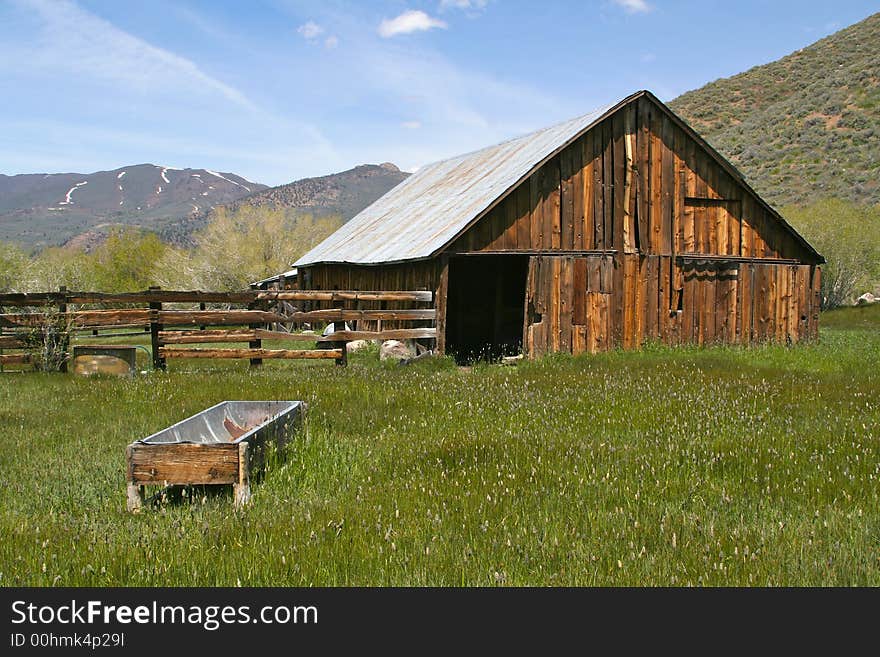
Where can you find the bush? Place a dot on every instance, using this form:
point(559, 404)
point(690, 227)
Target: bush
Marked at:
point(848, 236)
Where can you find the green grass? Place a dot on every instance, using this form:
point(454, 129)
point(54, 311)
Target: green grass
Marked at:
point(718, 466)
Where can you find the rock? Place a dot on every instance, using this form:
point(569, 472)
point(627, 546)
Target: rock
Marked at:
point(511, 360)
point(425, 354)
point(357, 345)
point(395, 350)
point(866, 299)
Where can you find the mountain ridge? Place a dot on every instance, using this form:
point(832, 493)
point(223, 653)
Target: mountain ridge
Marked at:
point(44, 209)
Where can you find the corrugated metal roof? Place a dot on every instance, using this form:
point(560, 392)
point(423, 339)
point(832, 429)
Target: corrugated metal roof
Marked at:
point(430, 208)
point(288, 274)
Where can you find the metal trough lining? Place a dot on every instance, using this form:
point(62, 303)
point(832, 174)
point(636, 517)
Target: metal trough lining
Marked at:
point(206, 427)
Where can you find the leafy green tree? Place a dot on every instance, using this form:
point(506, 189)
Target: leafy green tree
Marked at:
point(238, 248)
point(57, 266)
point(848, 235)
point(126, 261)
point(13, 267)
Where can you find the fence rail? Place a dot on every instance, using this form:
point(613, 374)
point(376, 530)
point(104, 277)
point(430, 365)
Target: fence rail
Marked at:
point(170, 328)
point(199, 296)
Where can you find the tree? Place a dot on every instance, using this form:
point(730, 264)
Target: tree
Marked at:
point(126, 261)
point(57, 266)
point(848, 235)
point(238, 248)
point(13, 267)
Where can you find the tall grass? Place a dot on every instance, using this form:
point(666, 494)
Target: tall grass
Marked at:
point(718, 466)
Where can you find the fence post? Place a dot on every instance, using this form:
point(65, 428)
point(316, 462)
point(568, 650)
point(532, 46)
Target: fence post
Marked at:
point(155, 327)
point(62, 308)
point(256, 343)
point(343, 361)
point(202, 307)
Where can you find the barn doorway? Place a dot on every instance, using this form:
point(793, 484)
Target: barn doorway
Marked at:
point(485, 306)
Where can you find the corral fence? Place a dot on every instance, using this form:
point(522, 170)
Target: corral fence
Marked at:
point(176, 327)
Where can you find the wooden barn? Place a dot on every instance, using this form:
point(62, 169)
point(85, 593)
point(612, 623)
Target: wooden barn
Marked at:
point(615, 228)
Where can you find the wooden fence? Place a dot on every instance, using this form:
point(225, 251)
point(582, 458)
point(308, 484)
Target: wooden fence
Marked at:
point(173, 330)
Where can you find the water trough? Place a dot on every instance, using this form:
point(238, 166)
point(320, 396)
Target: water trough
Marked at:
point(225, 444)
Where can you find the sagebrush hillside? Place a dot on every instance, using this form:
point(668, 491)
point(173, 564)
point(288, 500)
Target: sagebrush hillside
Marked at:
point(805, 127)
point(344, 194)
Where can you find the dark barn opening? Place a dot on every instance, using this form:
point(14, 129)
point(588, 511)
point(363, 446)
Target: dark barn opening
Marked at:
point(485, 305)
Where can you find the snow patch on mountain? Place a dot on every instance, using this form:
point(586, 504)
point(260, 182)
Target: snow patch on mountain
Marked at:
point(214, 173)
point(67, 200)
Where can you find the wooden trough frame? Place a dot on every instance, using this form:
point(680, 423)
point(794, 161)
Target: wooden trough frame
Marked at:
point(227, 443)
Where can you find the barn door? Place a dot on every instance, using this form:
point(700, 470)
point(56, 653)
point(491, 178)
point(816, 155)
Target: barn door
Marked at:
point(534, 327)
point(567, 304)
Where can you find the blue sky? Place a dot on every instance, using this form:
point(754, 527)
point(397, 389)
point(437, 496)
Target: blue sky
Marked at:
point(276, 90)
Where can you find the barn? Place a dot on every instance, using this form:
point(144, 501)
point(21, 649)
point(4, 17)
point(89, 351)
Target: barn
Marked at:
point(609, 230)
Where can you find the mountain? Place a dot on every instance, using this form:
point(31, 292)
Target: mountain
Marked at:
point(47, 209)
point(345, 193)
point(804, 127)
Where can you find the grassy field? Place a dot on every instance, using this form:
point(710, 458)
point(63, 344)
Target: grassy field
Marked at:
point(718, 466)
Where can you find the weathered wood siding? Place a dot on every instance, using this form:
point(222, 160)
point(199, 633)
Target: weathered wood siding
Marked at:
point(637, 183)
point(421, 275)
point(589, 304)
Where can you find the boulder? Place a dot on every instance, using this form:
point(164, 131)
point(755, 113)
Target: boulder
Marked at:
point(357, 345)
point(866, 299)
point(396, 350)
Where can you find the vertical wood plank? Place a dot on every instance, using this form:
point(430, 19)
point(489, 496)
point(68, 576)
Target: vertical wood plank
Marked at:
point(650, 286)
point(607, 272)
point(555, 302)
point(536, 209)
point(580, 283)
point(566, 289)
point(608, 185)
point(552, 227)
point(577, 193)
point(667, 181)
point(643, 217)
point(688, 274)
point(615, 319)
point(440, 299)
point(588, 177)
point(656, 236)
point(628, 227)
point(618, 181)
point(664, 297)
point(523, 224)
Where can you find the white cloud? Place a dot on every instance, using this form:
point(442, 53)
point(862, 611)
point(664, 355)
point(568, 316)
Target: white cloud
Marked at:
point(634, 6)
point(473, 5)
point(79, 42)
point(310, 30)
point(411, 125)
point(331, 41)
point(408, 22)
